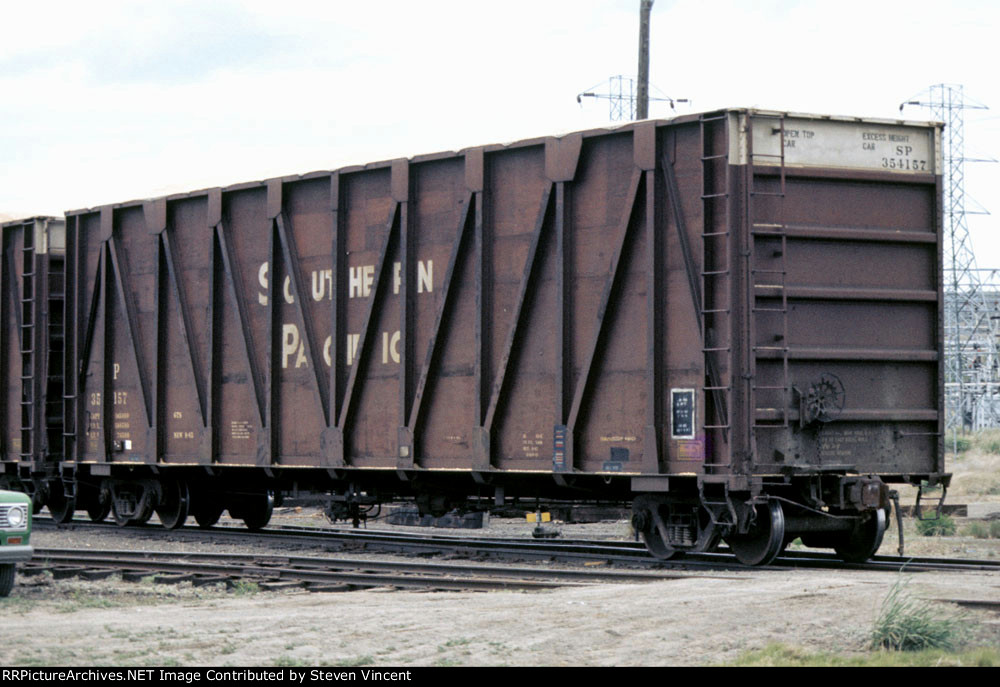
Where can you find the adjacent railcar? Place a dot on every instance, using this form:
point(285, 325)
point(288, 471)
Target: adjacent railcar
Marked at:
point(732, 319)
point(32, 264)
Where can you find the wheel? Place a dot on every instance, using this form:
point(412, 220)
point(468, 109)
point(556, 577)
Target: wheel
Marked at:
point(96, 500)
point(60, 507)
point(7, 574)
point(256, 511)
point(204, 506)
point(143, 516)
point(98, 510)
point(862, 543)
point(37, 503)
point(656, 545)
point(765, 539)
point(173, 511)
point(645, 516)
point(207, 514)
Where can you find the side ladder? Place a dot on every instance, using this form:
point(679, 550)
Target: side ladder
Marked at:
point(773, 279)
point(716, 275)
point(55, 366)
point(29, 343)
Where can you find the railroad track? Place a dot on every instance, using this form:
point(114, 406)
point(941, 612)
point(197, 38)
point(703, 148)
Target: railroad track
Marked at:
point(615, 553)
point(273, 571)
point(396, 542)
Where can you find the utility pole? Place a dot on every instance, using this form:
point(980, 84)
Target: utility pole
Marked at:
point(642, 97)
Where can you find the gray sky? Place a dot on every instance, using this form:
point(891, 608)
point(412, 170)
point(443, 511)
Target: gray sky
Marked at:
point(107, 101)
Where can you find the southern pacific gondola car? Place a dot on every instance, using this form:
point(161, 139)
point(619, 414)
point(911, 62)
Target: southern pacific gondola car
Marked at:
point(732, 319)
point(32, 267)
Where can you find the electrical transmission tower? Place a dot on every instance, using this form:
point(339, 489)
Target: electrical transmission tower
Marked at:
point(971, 295)
point(620, 96)
point(628, 98)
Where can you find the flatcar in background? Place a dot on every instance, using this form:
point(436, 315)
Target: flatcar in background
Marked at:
point(732, 320)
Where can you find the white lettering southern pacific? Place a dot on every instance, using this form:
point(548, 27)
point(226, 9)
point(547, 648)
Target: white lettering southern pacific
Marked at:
point(360, 280)
point(293, 348)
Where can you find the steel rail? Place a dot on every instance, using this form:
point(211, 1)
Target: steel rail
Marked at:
point(616, 552)
point(583, 547)
point(355, 572)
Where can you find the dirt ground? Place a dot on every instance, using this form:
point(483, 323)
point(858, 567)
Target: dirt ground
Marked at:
point(701, 620)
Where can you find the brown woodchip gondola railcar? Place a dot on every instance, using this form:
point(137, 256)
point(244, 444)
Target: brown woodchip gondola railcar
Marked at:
point(731, 319)
point(32, 292)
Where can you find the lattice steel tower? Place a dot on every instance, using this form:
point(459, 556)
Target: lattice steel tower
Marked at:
point(629, 98)
point(620, 96)
point(971, 317)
